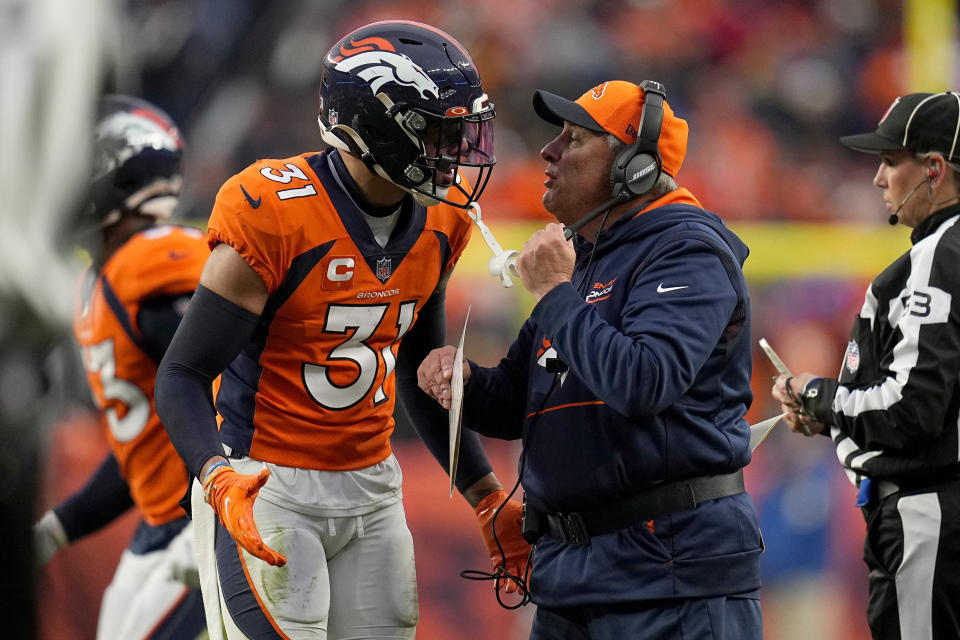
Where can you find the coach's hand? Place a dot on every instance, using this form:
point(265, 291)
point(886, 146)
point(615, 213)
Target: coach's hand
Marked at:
point(231, 495)
point(509, 526)
point(436, 371)
point(546, 260)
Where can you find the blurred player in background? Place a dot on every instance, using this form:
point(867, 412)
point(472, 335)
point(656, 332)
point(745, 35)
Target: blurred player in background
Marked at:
point(51, 70)
point(321, 263)
point(893, 414)
point(131, 300)
point(628, 386)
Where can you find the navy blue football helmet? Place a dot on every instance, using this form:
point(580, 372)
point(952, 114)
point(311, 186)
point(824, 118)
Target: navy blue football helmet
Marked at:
point(407, 99)
point(136, 162)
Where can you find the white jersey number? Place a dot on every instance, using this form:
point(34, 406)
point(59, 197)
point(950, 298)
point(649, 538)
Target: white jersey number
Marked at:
point(363, 321)
point(285, 177)
point(99, 359)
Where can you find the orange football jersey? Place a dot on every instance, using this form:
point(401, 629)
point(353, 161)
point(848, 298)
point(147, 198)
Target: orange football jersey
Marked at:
point(164, 260)
point(315, 387)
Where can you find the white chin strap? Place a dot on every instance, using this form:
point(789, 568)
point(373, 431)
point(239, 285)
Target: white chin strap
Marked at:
point(158, 200)
point(160, 208)
point(327, 135)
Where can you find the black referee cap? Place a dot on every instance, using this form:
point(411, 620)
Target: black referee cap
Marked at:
point(919, 122)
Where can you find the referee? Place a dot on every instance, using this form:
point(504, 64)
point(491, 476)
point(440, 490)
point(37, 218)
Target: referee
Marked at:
point(893, 412)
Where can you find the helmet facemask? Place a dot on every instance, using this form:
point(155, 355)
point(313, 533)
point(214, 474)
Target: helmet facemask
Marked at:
point(459, 141)
point(421, 152)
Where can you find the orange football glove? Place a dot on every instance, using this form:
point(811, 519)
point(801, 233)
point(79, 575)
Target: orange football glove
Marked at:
point(515, 548)
point(231, 495)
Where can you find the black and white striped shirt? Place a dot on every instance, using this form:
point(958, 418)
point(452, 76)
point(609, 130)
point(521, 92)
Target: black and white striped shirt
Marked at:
point(893, 413)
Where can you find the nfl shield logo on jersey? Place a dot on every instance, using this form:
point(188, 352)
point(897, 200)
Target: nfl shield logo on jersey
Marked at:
point(383, 269)
point(852, 358)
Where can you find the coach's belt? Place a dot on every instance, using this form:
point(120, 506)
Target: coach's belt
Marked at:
point(576, 528)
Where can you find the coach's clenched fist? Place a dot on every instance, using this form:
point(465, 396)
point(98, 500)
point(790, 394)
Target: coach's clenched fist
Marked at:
point(546, 260)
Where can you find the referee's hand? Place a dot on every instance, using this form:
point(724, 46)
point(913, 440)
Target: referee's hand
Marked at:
point(786, 390)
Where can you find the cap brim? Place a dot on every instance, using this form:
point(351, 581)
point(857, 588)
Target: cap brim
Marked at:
point(870, 143)
point(557, 110)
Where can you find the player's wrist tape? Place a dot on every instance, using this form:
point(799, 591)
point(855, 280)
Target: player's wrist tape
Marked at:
point(215, 469)
point(49, 536)
point(51, 524)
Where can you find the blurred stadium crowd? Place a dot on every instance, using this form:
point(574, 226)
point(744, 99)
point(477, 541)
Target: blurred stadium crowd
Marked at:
point(767, 86)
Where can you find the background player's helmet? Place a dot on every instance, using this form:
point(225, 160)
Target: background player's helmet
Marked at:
point(136, 162)
point(407, 99)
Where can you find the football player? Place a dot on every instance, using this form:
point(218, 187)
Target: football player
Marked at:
point(321, 263)
point(131, 300)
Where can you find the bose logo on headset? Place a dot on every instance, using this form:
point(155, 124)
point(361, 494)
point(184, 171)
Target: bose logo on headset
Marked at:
point(642, 172)
point(641, 160)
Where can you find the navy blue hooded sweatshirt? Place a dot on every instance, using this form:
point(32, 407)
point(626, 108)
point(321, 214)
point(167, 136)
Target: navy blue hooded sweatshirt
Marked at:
point(634, 374)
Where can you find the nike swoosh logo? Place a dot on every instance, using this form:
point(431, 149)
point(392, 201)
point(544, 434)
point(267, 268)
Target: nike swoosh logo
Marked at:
point(253, 203)
point(663, 289)
point(177, 255)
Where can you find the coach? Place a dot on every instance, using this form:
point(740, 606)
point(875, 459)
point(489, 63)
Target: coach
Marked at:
point(893, 413)
point(628, 385)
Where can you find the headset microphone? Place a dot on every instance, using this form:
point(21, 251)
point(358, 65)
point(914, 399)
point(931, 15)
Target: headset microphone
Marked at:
point(894, 218)
point(571, 229)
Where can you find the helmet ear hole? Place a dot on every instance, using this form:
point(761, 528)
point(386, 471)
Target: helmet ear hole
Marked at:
point(387, 145)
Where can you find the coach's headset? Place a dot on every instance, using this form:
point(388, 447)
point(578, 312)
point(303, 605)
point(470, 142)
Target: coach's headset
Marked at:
point(636, 168)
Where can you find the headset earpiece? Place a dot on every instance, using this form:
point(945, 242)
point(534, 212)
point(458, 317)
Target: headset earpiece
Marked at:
point(933, 172)
point(637, 168)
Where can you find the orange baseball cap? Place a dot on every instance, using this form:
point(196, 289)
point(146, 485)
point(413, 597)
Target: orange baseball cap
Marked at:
point(615, 107)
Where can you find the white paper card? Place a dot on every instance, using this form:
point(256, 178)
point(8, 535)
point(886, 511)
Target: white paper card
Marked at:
point(759, 431)
point(456, 405)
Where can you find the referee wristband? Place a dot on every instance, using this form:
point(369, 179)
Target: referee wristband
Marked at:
point(808, 395)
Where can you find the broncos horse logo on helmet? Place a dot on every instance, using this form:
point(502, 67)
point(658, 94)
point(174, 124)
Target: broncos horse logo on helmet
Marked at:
point(407, 99)
point(381, 67)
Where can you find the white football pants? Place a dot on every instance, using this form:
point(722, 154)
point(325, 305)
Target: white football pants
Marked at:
point(346, 577)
